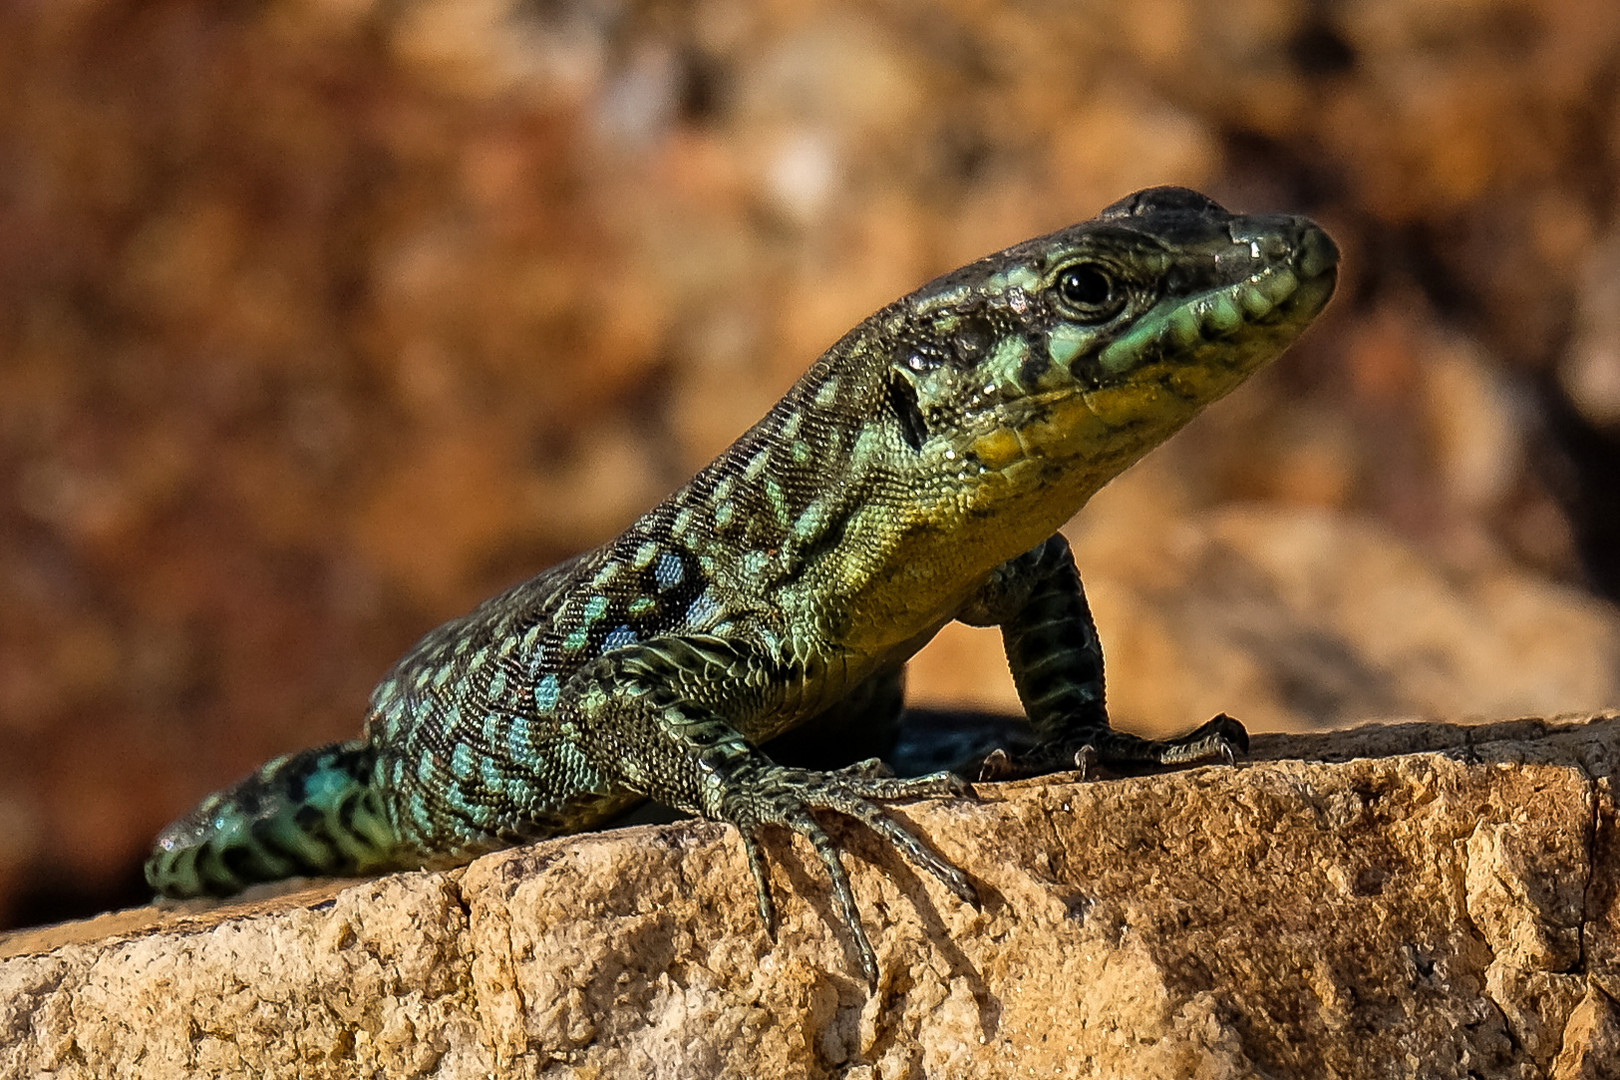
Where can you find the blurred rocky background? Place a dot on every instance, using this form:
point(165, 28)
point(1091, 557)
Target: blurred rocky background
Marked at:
point(320, 320)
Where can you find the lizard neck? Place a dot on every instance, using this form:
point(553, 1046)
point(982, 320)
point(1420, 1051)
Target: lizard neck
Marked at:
point(820, 521)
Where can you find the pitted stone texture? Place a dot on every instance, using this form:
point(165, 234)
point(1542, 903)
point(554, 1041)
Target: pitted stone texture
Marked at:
point(1385, 902)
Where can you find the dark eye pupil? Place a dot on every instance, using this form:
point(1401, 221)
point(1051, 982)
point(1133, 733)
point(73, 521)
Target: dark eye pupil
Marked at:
point(1085, 286)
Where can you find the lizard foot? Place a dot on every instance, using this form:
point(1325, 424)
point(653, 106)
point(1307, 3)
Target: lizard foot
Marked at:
point(1222, 738)
point(789, 797)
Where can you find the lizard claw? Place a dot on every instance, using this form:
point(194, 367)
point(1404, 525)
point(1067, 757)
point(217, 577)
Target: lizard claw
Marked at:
point(762, 882)
point(789, 797)
point(1222, 737)
point(997, 765)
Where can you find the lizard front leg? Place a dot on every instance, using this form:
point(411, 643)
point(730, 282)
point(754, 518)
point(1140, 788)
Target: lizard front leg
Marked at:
point(1057, 666)
point(655, 718)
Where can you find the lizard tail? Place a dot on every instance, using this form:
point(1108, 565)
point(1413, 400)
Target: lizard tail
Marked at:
point(315, 812)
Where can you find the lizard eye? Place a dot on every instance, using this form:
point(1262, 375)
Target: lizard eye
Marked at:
point(1087, 289)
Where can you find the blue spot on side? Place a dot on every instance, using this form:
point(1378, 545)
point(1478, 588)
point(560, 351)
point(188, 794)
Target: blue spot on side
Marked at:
point(417, 808)
point(702, 611)
point(619, 637)
point(490, 774)
point(670, 572)
point(518, 745)
point(546, 692)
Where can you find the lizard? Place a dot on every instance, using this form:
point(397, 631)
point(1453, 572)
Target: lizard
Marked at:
point(917, 473)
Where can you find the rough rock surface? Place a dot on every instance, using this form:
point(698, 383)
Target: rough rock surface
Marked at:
point(1413, 900)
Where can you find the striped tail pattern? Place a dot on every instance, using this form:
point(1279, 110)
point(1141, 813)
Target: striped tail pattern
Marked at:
point(315, 812)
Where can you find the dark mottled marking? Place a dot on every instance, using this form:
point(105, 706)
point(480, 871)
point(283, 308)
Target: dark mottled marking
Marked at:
point(239, 862)
point(972, 339)
point(903, 402)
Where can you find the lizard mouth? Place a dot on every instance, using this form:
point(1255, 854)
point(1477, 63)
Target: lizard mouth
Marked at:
point(1178, 356)
point(1234, 302)
point(1283, 295)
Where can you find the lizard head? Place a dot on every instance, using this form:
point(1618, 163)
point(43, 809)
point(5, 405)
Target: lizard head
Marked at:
point(964, 423)
point(1041, 372)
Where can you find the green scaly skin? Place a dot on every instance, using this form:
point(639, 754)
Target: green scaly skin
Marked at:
point(916, 474)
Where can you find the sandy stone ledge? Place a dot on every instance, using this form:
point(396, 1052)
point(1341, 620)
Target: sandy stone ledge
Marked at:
point(1410, 900)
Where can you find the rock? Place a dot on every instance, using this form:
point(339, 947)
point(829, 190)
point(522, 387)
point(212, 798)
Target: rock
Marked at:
point(1418, 899)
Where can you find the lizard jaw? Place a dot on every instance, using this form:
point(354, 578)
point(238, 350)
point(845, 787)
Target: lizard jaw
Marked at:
point(1284, 295)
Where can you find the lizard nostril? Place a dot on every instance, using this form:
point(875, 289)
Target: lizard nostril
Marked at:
point(1318, 254)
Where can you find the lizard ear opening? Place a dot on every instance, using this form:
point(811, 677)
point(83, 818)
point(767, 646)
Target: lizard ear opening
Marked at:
point(903, 400)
